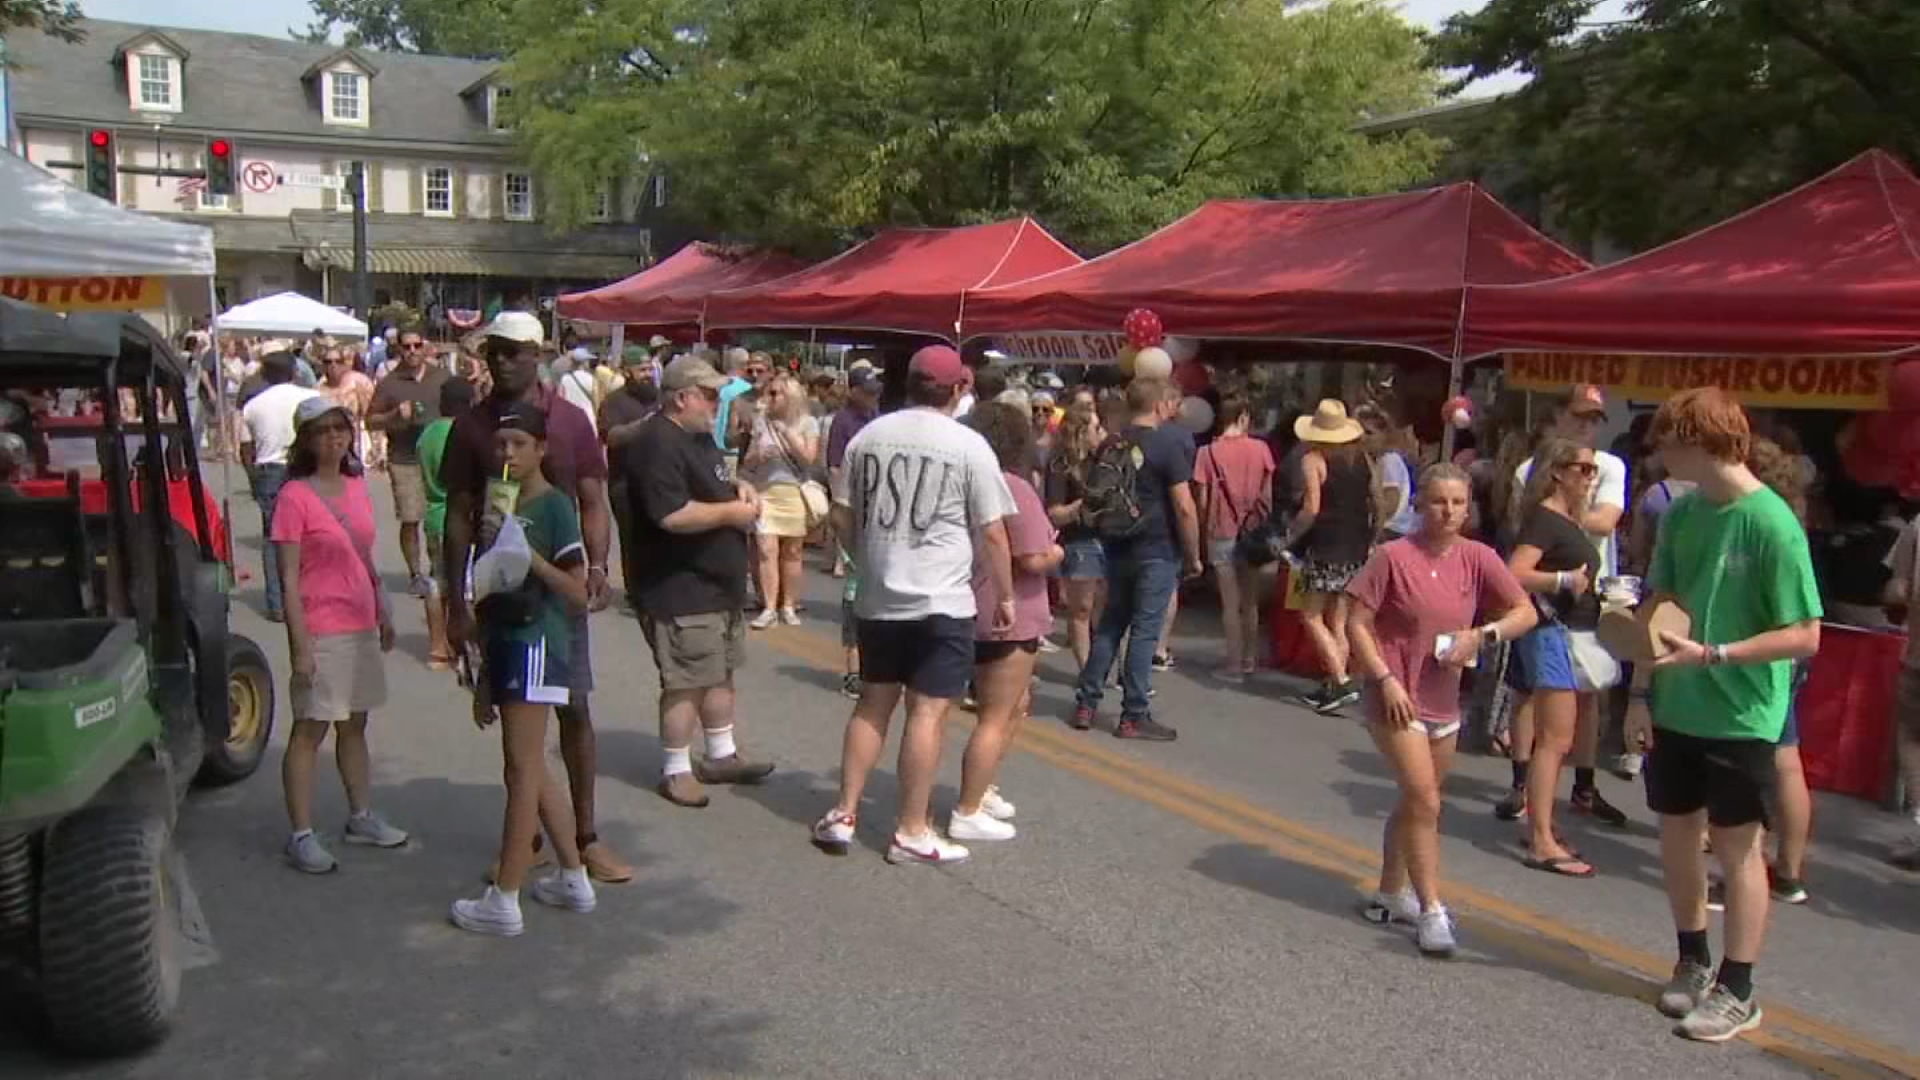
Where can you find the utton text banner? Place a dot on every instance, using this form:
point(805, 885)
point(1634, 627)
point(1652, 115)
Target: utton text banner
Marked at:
point(88, 293)
point(1795, 382)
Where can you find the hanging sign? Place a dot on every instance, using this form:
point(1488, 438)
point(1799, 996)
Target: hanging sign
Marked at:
point(1087, 348)
point(97, 293)
point(1855, 383)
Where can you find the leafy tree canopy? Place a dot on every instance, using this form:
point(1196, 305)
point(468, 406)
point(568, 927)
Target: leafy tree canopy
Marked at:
point(807, 122)
point(472, 28)
point(58, 18)
point(1686, 111)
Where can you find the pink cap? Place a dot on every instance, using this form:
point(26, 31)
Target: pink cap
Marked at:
point(939, 363)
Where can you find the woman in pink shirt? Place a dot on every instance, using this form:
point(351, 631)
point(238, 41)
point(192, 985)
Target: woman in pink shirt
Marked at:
point(1412, 632)
point(1003, 662)
point(337, 626)
point(1235, 476)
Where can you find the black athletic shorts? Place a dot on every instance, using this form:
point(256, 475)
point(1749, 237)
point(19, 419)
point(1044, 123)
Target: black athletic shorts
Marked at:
point(1732, 779)
point(932, 657)
point(990, 652)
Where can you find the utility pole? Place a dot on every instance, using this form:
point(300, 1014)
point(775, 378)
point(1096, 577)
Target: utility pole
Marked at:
point(362, 286)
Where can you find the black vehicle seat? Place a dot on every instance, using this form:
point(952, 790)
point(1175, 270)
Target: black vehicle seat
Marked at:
point(46, 560)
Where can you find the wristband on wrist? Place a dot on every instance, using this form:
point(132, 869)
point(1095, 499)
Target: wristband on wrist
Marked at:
point(1380, 679)
point(1560, 581)
point(1716, 655)
point(1491, 632)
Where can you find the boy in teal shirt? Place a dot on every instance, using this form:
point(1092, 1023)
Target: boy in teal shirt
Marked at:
point(1732, 555)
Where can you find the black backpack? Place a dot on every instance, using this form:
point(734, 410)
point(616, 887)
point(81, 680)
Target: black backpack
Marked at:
point(1111, 505)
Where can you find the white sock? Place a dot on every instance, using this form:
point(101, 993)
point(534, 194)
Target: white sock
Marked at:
point(720, 743)
point(577, 876)
point(678, 761)
point(299, 834)
point(507, 898)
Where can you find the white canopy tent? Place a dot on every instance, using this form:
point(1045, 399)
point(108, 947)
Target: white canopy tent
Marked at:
point(288, 313)
point(51, 229)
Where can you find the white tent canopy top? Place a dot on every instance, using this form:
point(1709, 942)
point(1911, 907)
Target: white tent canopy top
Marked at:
point(288, 313)
point(49, 228)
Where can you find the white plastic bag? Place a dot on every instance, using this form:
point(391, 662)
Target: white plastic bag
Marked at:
point(504, 565)
point(1594, 668)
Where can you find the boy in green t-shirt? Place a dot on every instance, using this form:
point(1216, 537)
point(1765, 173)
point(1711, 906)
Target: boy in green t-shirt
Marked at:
point(456, 396)
point(1733, 555)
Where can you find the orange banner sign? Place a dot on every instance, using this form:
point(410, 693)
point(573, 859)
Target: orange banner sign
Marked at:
point(1855, 383)
point(88, 293)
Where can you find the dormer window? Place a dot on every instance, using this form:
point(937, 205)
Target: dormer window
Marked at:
point(496, 112)
point(154, 64)
point(346, 97)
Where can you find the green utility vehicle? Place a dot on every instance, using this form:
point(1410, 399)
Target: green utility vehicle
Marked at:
point(120, 684)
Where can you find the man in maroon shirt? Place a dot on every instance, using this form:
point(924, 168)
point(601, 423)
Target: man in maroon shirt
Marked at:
point(577, 466)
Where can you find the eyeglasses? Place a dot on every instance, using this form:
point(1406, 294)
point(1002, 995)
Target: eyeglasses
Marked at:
point(413, 346)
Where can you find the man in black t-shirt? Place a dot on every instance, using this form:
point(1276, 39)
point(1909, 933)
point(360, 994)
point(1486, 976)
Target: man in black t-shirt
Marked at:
point(621, 417)
point(689, 528)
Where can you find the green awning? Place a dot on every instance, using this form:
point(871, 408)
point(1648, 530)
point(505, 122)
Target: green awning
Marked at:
point(468, 261)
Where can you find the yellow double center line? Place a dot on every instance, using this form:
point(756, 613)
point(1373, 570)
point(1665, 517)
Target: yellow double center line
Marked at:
point(1595, 961)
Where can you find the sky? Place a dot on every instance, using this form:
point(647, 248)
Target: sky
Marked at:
point(275, 17)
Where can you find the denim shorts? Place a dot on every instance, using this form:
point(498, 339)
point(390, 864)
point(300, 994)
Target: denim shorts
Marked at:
point(1543, 660)
point(1085, 560)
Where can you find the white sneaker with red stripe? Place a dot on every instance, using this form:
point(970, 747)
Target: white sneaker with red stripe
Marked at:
point(927, 849)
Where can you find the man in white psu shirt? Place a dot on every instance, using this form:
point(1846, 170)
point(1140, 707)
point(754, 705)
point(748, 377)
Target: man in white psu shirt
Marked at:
point(921, 491)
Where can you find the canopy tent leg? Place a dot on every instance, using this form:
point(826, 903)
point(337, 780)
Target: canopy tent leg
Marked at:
point(1456, 375)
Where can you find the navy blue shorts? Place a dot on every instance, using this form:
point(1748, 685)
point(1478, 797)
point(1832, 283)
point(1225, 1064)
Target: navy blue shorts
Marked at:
point(1543, 660)
point(519, 672)
point(932, 657)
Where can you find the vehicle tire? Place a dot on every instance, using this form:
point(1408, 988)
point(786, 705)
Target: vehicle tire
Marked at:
point(249, 717)
point(109, 939)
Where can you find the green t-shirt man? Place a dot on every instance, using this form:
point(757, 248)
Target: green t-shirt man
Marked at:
point(1739, 569)
point(431, 448)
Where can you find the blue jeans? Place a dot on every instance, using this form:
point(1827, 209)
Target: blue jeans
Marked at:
point(267, 482)
point(1138, 592)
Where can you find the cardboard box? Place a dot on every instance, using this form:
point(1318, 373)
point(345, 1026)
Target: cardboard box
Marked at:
point(1633, 635)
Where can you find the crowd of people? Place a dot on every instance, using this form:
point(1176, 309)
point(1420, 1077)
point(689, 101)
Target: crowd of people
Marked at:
point(960, 523)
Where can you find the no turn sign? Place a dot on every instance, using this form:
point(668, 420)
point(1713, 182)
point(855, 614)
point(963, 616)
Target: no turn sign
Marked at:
point(259, 177)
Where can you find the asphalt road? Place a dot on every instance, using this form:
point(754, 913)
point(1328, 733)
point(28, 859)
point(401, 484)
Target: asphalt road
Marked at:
point(1182, 909)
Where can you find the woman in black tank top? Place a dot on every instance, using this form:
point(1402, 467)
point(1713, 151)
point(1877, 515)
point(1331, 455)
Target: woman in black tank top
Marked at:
point(1336, 524)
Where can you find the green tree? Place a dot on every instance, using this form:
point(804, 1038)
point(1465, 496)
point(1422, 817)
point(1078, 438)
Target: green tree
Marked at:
point(1686, 111)
point(806, 122)
point(472, 28)
point(58, 18)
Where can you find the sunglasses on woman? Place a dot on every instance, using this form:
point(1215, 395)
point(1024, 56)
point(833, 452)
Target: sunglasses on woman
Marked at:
point(1584, 468)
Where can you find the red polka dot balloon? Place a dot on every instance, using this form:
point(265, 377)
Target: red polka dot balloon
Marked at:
point(1143, 328)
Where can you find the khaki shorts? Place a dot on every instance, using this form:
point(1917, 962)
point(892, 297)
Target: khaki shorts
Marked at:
point(697, 652)
point(350, 676)
point(409, 492)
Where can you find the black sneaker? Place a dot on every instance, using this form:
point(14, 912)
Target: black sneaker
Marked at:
point(1163, 661)
point(1339, 697)
point(850, 685)
point(1588, 802)
point(1785, 889)
point(1146, 728)
point(1513, 807)
point(1315, 697)
point(1716, 896)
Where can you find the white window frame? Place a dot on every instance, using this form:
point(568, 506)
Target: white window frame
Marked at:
point(426, 191)
point(210, 201)
point(506, 197)
point(332, 97)
point(496, 122)
point(163, 82)
point(602, 208)
point(136, 81)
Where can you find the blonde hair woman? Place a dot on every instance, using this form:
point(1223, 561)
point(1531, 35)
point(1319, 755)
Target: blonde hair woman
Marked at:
point(780, 458)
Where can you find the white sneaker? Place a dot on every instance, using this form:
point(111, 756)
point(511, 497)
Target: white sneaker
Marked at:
point(372, 830)
point(978, 826)
point(833, 833)
point(494, 913)
point(309, 856)
point(562, 889)
point(928, 849)
point(789, 617)
point(765, 619)
point(994, 805)
point(1435, 935)
point(1384, 909)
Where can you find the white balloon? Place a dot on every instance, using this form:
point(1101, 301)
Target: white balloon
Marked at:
point(1182, 349)
point(1196, 415)
point(1152, 363)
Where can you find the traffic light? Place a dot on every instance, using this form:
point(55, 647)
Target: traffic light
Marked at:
point(219, 167)
point(100, 170)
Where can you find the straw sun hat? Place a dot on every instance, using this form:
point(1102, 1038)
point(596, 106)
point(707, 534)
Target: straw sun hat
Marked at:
point(1329, 423)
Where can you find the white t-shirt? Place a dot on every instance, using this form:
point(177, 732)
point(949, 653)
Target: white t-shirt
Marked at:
point(778, 469)
point(269, 421)
point(1395, 474)
point(576, 387)
point(1611, 490)
point(920, 485)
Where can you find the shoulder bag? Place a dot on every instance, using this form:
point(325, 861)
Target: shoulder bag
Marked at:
point(366, 556)
point(813, 494)
point(1259, 542)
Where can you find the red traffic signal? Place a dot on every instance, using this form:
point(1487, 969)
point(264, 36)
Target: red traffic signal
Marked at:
point(101, 173)
point(220, 148)
point(220, 166)
point(99, 138)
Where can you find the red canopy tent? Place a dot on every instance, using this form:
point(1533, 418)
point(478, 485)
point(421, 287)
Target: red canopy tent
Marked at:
point(915, 281)
point(1828, 269)
point(1390, 269)
point(674, 291)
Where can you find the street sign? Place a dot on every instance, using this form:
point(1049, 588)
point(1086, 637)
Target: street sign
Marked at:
point(259, 177)
point(315, 180)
